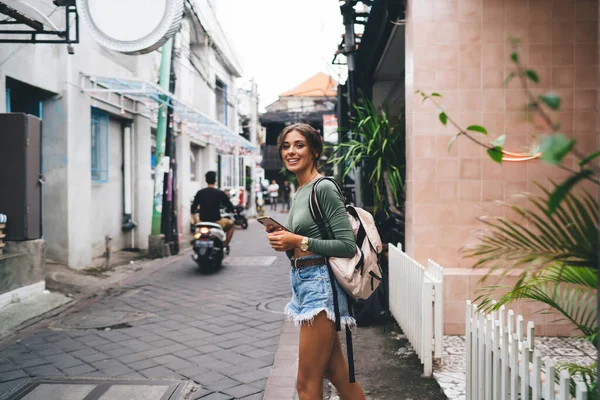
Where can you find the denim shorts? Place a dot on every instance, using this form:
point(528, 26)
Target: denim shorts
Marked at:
point(312, 294)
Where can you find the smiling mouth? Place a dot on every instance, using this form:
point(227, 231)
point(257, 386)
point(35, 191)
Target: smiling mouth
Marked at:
point(293, 160)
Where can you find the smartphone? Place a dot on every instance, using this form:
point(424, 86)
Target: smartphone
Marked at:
point(266, 221)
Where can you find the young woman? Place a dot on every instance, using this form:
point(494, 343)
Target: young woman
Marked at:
point(311, 308)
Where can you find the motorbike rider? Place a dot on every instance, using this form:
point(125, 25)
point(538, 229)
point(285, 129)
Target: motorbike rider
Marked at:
point(208, 202)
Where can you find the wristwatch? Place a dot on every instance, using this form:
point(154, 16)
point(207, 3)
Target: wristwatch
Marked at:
point(304, 244)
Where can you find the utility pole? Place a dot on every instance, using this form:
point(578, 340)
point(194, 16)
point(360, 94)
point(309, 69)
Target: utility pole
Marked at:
point(168, 218)
point(162, 161)
point(348, 14)
point(253, 140)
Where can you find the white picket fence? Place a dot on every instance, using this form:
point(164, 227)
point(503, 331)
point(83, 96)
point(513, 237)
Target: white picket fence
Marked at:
point(416, 301)
point(503, 364)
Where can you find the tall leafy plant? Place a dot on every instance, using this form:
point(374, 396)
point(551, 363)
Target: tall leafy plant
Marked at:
point(377, 143)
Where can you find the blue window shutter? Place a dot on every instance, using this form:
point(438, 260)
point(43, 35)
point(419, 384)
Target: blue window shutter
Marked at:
point(8, 100)
point(99, 145)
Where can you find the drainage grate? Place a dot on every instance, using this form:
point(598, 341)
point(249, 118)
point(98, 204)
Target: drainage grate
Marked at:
point(250, 261)
point(96, 389)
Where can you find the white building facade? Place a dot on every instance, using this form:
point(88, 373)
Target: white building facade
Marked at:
point(98, 136)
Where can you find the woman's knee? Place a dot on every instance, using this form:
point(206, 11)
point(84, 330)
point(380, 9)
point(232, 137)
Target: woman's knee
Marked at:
point(307, 386)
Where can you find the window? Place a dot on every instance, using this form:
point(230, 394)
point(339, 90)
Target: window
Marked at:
point(194, 163)
point(221, 94)
point(99, 145)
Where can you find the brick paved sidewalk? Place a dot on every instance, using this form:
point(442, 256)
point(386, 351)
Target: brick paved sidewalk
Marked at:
point(216, 329)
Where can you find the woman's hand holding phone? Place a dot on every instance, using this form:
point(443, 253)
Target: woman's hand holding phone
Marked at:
point(282, 240)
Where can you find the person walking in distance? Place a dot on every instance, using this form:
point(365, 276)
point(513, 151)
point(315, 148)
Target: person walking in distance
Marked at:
point(273, 190)
point(286, 191)
point(312, 304)
point(208, 203)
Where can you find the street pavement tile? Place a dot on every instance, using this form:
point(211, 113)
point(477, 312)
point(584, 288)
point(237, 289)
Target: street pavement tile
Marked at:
point(79, 370)
point(206, 348)
point(193, 372)
point(10, 366)
point(256, 363)
point(218, 365)
point(257, 396)
point(97, 342)
point(234, 335)
point(143, 364)
point(179, 364)
point(88, 358)
point(118, 371)
point(269, 360)
point(136, 345)
point(96, 374)
point(50, 352)
point(106, 364)
point(248, 377)
point(199, 393)
point(162, 343)
point(7, 387)
point(33, 362)
point(108, 346)
point(209, 377)
point(114, 336)
point(203, 360)
point(229, 344)
point(129, 358)
point(258, 353)
point(215, 396)
point(165, 359)
point(159, 372)
point(132, 375)
point(12, 375)
point(62, 361)
point(44, 371)
point(187, 353)
point(263, 343)
point(244, 348)
point(223, 384)
point(262, 384)
point(229, 356)
point(241, 391)
point(230, 370)
point(121, 351)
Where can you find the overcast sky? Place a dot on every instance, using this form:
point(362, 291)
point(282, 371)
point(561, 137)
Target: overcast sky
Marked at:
point(281, 43)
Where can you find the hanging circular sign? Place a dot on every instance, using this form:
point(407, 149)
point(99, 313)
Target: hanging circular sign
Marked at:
point(131, 26)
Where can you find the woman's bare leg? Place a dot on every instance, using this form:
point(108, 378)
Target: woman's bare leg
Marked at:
point(337, 373)
point(315, 349)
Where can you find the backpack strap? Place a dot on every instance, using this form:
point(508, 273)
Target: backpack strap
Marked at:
point(317, 215)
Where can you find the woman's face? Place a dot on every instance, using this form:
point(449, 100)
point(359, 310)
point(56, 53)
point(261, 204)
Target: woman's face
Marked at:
point(296, 153)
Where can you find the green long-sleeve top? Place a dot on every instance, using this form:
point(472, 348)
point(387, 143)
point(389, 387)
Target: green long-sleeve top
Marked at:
point(301, 223)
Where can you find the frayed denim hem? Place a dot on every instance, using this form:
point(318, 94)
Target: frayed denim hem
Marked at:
point(309, 317)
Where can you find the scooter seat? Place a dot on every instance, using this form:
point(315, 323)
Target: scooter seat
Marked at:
point(208, 224)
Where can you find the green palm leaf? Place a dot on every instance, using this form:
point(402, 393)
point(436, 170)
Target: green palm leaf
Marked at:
point(569, 290)
point(569, 236)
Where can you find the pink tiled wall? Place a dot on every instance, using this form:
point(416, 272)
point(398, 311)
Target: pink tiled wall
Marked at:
point(459, 48)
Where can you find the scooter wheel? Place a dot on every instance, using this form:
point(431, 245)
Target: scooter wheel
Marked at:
point(244, 225)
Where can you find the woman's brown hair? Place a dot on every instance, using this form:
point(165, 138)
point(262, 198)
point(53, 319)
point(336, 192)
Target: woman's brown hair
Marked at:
point(312, 136)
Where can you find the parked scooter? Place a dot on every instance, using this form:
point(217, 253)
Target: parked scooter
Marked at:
point(208, 245)
point(239, 217)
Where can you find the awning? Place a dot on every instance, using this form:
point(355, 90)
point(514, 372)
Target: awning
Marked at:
point(192, 121)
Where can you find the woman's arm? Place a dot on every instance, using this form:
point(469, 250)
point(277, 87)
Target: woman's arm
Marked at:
point(334, 212)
